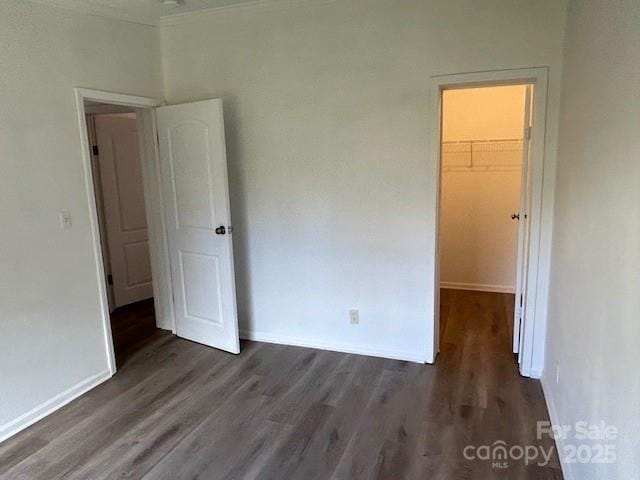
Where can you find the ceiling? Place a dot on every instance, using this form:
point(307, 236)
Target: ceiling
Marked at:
point(141, 11)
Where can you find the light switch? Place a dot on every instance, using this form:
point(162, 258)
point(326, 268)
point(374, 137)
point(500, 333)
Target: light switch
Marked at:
point(65, 219)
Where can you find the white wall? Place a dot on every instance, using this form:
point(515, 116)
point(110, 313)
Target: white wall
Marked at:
point(480, 187)
point(594, 311)
point(51, 336)
point(326, 108)
point(483, 113)
point(478, 239)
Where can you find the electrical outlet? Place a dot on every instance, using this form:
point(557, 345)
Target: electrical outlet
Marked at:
point(65, 220)
point(354, 317)
point(557, 373)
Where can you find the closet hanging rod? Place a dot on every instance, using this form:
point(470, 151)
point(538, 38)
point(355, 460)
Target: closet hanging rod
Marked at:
point(488, 140)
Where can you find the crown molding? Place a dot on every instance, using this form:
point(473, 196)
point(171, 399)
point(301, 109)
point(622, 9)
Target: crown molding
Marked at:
point(99, 11)
point(188, 17)
point(81, 6)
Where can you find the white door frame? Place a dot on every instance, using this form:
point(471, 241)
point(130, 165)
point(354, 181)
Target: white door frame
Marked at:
point(148, 144)
point(539, 78)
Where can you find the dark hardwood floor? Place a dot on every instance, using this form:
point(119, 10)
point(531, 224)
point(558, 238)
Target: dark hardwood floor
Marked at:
point(179, 410)
point(132, 327)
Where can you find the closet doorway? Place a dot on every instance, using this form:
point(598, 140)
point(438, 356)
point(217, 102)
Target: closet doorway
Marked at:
point(483, 197)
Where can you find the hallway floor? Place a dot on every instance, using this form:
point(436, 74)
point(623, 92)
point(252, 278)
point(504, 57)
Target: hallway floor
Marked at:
point(132, 327)
point(180, 410)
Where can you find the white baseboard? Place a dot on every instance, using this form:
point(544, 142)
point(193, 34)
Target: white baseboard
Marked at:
point(46, 408)
point(555, 420)
point(335, 347)
point(478, 287)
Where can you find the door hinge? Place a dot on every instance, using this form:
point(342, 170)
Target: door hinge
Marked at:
point(95, 150)
point(521, 300)
point(109, 279)
point(527, 133)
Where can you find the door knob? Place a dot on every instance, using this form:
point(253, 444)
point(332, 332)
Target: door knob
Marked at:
point(221, 230)
point(515, 216)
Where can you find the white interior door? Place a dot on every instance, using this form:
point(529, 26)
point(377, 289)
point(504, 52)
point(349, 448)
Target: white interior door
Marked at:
point(196, 196)
point(523, 230)
point(124, 209)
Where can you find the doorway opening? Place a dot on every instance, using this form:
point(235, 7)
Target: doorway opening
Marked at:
point(183, 267)
point(532, 271)
point(118, 185)
point(483, 216)
point(95, 108)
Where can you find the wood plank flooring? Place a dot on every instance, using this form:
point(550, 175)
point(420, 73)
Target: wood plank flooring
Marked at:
point(132, 326)
point(179, 410)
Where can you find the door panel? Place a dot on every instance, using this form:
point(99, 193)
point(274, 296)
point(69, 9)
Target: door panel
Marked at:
point(195, 191)
point(192, 182)
point(124, 209)
point(201, 304)
point(138, 263)
point(523, 230)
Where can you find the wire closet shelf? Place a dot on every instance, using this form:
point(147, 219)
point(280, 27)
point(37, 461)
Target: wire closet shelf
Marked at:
point(503, 154)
